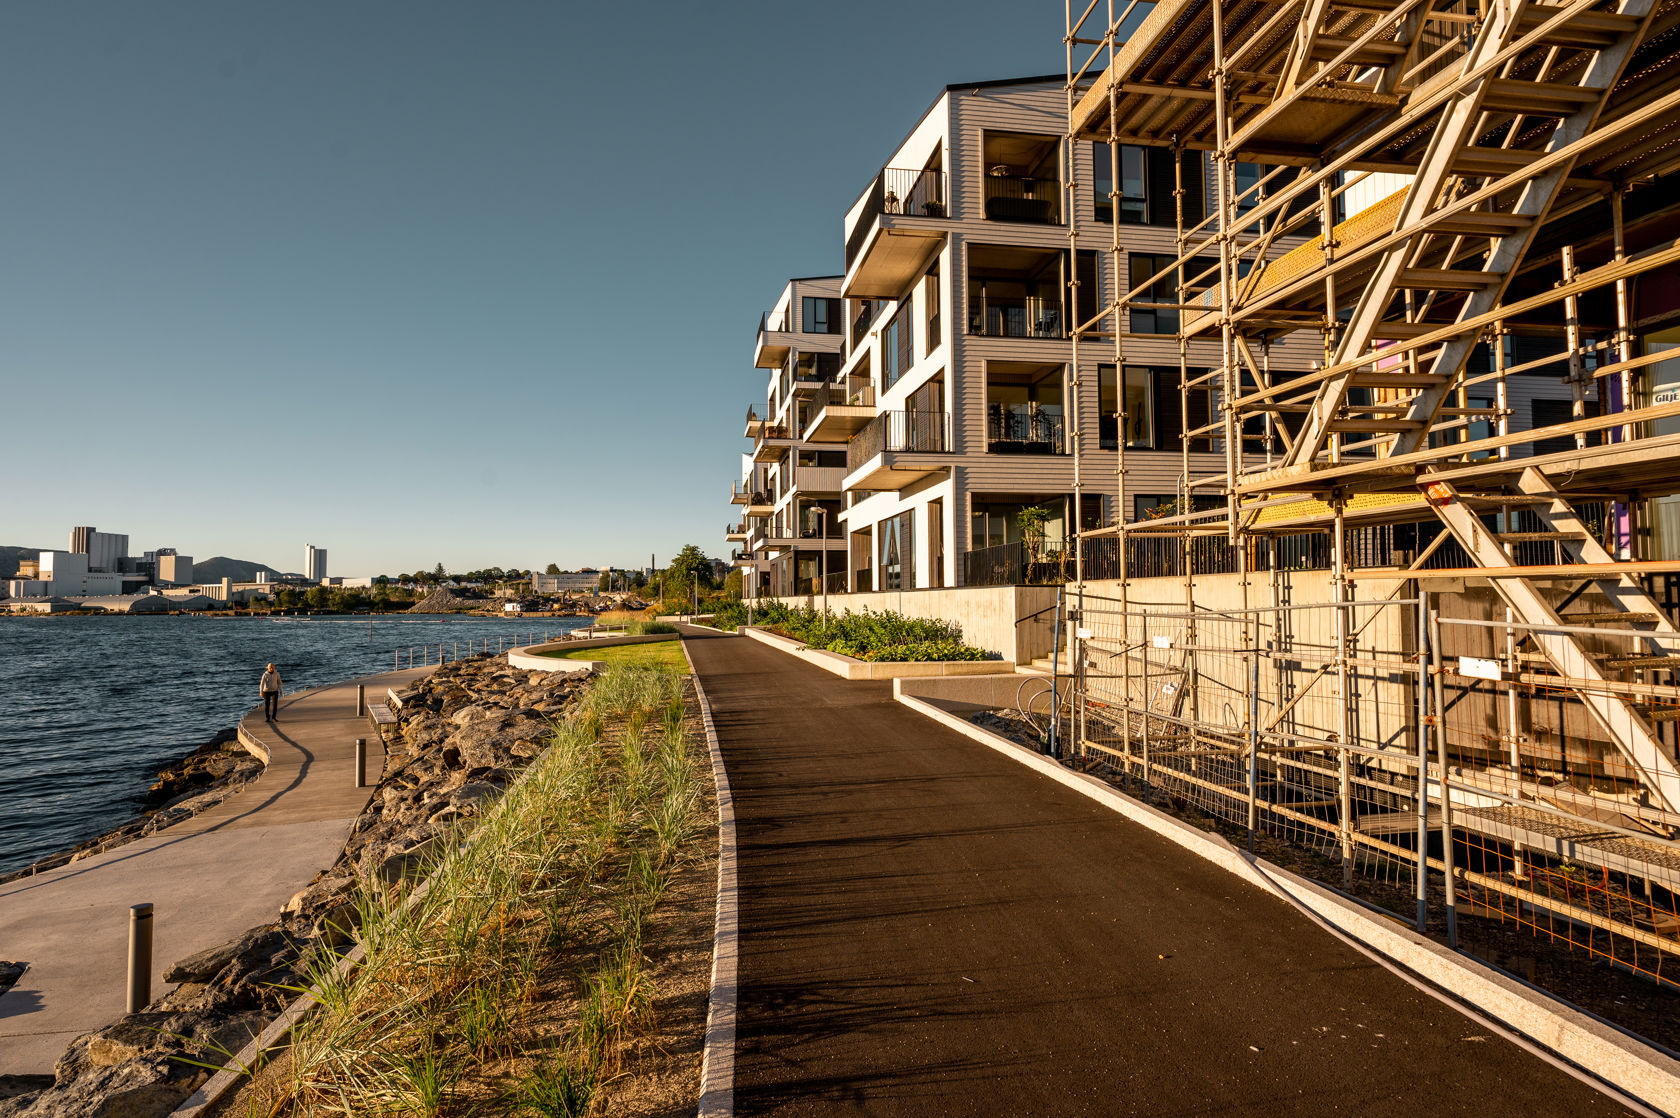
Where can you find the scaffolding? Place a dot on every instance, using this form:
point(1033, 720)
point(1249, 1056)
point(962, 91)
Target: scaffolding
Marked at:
point(1448, 198)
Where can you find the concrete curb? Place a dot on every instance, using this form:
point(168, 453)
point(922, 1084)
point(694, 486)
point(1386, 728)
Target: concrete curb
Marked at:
point(530, 657)
point(717, 1060)
point(847, 668)
point(1607, 1053)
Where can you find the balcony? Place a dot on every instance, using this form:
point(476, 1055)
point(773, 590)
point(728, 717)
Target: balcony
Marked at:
point(1024, 430)
point(775, 339)
point(736, 532)
point(897, 227)
point(759, 503)
point(1021, 198)
point(748, 558)
point(813, 481)
point(739, 494)
point(898, 448)
point(840, 410)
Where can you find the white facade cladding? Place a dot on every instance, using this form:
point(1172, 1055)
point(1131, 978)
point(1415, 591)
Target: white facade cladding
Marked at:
point(957, 393)
point(314, 563)
point(789, 537)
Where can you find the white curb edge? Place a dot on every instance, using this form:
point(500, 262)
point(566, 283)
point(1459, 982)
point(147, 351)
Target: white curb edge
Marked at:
point(717, 1061)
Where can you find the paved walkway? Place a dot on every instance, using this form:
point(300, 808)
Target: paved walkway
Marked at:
point(211, 877)
point(929, 929)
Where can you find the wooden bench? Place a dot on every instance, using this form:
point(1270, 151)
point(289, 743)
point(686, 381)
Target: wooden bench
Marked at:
point(381, 714)
point(391, 695)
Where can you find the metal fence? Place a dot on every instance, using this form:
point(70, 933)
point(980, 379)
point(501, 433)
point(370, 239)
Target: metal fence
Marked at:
point(1437, 766)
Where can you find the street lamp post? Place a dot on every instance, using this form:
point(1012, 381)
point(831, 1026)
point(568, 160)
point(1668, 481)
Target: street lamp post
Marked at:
point(822, 519)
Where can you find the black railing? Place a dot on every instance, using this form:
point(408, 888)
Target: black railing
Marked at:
point(1014, 318)
point(1023, 431)
point(898, 190)
point(1017, 564)
point(1015, 198)
point(924, 431)
point(836, 582)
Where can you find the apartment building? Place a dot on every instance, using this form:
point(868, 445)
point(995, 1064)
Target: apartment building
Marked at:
point(790, 534)
point(950, 378)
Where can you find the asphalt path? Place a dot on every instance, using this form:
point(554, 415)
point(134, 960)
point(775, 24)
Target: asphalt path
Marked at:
point(928, 928)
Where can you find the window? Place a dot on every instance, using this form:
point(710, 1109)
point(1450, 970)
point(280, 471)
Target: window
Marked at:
point(896, 545)
point(1134, 186)
point(1016, 292)
point(1248, 176)
point(896, 353)
point(930, 304)
point(1550, 413)
point(1199, 273)
point(822, 316)
point(936, 543)
point(1139, 407)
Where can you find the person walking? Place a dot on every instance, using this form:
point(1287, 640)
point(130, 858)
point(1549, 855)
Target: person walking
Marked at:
point(270, 688)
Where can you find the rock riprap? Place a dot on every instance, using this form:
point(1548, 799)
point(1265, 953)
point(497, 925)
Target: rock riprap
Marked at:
point(463, 734)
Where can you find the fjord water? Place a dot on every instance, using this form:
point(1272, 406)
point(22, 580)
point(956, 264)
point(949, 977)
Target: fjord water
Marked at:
point(92, 707)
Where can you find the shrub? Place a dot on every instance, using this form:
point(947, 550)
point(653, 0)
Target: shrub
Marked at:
point(871, 635)
point(648, 628)
point(730, 615)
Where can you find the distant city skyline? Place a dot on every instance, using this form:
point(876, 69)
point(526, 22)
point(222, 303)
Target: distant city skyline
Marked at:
point(427, 282)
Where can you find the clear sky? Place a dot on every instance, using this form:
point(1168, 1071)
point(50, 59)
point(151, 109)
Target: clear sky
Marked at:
point(416, 282)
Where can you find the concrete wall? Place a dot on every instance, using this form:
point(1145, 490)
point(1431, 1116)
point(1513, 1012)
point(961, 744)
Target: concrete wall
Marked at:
point(988, 614)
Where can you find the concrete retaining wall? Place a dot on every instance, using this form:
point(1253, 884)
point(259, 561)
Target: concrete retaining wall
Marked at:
point(847, 668)
point(988, 614)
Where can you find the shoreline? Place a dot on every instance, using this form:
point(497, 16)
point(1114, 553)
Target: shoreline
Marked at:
point(198, 781)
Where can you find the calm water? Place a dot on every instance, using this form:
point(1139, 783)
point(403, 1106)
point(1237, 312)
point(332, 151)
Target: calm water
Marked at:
point(92, 707)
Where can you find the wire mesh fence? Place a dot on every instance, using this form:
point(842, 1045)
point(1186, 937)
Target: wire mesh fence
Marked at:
point(1439, 766)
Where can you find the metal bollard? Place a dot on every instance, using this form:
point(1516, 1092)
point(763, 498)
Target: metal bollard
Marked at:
point(361, 699)
point(361, 762)
point(139, 957)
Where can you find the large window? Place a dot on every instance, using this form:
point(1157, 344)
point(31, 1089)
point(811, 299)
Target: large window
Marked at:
point(1134, 184)
point(1199, 273)
point(1139, 407)
point(897, 552)
point(897, 353)
point(1024, 408)
point(822, 316)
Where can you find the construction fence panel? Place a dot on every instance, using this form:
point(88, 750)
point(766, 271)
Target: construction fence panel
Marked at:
point(1320, 733)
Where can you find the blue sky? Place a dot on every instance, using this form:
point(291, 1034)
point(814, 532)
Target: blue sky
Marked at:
point(422, 282)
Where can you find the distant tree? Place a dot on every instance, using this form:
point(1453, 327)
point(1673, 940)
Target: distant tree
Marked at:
point(732, 584)
point(689, 571)
point(552, 569)
point(382, 581)
point(381, 594)
point(286, 598)
point(318, 597)
point(439, 573)
point(605, 581)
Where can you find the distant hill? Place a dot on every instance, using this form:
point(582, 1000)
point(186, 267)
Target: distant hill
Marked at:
point(9, 557)
point(218, 567)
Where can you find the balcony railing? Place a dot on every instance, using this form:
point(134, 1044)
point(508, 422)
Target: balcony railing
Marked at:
point(1014, 318)
point(923, 431)
point(1017, 430)
point(852, 392)
point(776, 322)
point(1016, 198)
point(1014, 564)
point(898, 190)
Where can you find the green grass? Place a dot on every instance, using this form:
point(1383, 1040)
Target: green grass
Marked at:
point(555, 886)
point(658, 654)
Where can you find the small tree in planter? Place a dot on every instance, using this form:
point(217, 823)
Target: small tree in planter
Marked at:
point(1031, 520)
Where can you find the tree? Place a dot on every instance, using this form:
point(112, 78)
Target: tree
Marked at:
point(318, 597)
point(552, 569)
point(732, 583)
point(439, 573)
point(689, 571)
point(605, 581)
